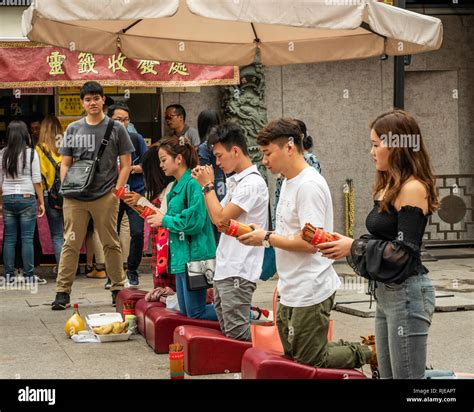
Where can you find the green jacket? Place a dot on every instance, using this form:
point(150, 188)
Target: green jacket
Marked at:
point(187, 221)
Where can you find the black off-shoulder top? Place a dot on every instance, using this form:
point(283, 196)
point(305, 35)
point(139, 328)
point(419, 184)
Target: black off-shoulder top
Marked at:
point(390, 253)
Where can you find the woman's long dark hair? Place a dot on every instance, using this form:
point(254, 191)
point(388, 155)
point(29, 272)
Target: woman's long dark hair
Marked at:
point(18, 139)
point(207, 119)
point(155, 179)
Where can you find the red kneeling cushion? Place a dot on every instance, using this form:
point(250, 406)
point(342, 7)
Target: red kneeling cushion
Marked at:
point(208, 351)
point(160, 324)
point(128, 294)
point(261, 364)
point(141, 309)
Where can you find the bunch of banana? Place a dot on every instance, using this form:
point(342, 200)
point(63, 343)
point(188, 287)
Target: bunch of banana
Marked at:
point(112, 328)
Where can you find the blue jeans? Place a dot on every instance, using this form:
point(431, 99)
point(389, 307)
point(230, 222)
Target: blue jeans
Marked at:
point(193, 304)
point(402, 320)
point(137, 231)
point(17, 208)
point(56, 227)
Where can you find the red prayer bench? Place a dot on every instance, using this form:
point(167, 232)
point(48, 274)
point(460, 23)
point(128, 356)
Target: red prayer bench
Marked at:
point(160, 324)
point(263, 364)
point(141, 309)
point(208, 351)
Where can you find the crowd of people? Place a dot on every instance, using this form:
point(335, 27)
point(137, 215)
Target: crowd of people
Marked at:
point(199, 180)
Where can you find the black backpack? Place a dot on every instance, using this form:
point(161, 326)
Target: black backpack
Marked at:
point(55, 199)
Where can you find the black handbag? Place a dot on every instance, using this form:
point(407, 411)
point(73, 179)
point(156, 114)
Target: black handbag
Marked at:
point(81, 174)
point(200, 274)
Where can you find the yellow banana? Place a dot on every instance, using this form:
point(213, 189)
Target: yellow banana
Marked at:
point(117, 327)
point(107, 329)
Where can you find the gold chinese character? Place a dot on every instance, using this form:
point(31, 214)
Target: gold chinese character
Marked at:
point(55, 61)
point(86, 63)
point(179, 68)
point(117, 63)
point(148, 66)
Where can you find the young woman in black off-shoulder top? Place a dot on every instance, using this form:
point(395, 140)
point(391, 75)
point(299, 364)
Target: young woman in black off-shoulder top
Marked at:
point(389, 256)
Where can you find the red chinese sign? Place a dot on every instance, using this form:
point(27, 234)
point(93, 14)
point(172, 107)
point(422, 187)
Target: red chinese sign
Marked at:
point(32, 65)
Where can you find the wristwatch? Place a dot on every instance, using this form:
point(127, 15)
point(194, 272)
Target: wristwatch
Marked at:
point(207, 188)
point(266, 240)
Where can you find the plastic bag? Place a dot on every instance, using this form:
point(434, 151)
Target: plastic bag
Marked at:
point(172, 303)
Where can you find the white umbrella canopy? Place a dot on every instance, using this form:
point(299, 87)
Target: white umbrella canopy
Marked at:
point(228, 32)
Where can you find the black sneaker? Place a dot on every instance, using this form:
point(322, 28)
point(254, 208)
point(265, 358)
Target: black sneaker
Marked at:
point(108, 284)
point(61, 302)
point(133, 281)
point(114, 296)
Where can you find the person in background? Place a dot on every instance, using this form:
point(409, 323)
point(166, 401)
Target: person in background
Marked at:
point(157, 187)
point(308, 144)
point(94, 251)
point(207, 120)
point(51, 133)
point(136, 183)
point(20, 178)
point(35, 127)
point(108, 102)
point(175, 117)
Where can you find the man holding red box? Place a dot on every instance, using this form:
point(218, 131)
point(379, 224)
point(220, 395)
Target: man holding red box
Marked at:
point(307, 281)
point(238, 267)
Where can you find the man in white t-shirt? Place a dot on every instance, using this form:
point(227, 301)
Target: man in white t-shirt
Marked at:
point(307, 281)
point(238, 267)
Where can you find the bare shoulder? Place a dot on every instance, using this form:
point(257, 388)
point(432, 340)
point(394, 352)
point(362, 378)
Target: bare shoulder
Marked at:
point(413, 193)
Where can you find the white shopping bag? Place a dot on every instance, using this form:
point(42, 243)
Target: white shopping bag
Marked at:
point(172, 303)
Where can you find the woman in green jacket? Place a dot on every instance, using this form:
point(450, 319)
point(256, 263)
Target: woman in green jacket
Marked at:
point(190, 230)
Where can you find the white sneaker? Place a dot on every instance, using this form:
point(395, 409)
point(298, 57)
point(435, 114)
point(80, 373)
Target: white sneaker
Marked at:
point(40, 281)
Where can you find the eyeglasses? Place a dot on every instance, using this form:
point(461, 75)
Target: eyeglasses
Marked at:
point(122, 120)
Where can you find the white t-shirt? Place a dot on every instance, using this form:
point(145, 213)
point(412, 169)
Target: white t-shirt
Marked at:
point(143, 201)
point(162, 197)
point(248, 191)
point(23, 183)
point(305, 279)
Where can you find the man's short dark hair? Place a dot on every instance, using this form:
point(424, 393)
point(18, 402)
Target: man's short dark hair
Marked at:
point(178, 109)
point(280, 132)
point(228, 134)
point(91, 87)
point(118, 106)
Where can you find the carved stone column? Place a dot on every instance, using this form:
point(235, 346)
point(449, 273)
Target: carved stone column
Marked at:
point(245, 105)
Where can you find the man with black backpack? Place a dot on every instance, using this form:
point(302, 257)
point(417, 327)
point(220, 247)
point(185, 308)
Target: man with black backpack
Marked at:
point(89, 172)
point(120, 112)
